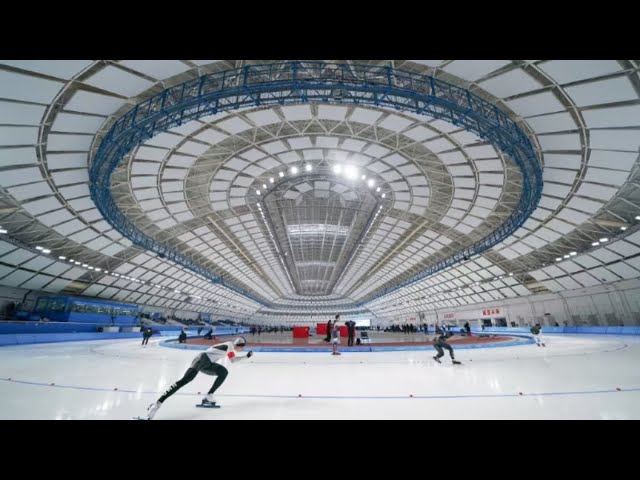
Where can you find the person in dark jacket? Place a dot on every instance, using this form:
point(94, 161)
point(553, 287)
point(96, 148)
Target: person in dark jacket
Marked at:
point(351, 332)
point(327, 339)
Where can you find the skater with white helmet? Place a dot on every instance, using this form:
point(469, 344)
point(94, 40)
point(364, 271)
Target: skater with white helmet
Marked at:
point(214, 361)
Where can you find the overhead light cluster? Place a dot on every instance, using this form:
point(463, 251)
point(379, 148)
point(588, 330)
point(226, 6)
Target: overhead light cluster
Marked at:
point(83, 265)
point(80, 264)
point(558, 259)
point(113, 274)
point(350, 172)
point(597, 243)
point(624, 227)
point(602, 240)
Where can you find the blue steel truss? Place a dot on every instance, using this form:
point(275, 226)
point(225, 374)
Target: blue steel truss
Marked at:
point(303, 82)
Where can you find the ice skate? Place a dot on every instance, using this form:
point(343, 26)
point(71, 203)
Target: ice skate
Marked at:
point(208, 402)
point(437, 359)
point(151, 411)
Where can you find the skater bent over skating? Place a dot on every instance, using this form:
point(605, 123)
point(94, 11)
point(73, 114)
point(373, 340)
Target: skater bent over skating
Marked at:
point(439, 343)
point(146, 335)
point(214, 361)
point(209, 334)
point(182, 338)
point(535, 331)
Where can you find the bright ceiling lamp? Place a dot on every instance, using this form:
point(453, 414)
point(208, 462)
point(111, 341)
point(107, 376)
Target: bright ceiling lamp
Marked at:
point(351, 172)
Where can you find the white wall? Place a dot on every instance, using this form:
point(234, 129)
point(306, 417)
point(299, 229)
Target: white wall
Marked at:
point(611, 304)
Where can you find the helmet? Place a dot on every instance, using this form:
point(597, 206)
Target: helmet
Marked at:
point(239, 342)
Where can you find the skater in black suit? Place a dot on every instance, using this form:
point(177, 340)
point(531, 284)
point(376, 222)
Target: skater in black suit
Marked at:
point(439, 343)
point(535, 331)
point(182, 338)
point(146, 335)
point(214, 361)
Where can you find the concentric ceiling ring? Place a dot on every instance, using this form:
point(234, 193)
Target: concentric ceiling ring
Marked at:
point(305, 82)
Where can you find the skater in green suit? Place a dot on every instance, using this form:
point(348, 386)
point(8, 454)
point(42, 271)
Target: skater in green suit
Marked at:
point(440, 343)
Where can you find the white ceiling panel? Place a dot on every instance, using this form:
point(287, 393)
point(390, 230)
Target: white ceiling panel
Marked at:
point(16, 86)
point(159, 69)
point(121, 82)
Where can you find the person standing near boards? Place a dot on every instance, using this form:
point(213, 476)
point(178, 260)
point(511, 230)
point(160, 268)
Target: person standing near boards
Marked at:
point(351, 331)
point(335, 336)
point(327, 339)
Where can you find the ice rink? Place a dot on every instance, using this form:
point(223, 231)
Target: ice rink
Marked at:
point(575, 377)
